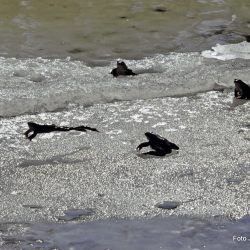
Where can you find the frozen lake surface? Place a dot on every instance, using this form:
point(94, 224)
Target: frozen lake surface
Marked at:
point(100, 177)
point(77, 176)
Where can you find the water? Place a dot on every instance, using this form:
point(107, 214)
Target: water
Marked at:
point(75, 190)
point(98, 31)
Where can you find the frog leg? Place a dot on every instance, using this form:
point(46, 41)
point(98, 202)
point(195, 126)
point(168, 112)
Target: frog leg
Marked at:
point(142, 145)
point(158, 152)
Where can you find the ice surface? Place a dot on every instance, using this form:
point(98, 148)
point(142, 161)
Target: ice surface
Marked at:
point(104, 172)
point(229, 51)
point(29, 86)
point(63, 175)
point(172, 233)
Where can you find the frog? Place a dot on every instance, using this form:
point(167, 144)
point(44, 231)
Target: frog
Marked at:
point(122, 70)
point(242, 90)
point(159, 144)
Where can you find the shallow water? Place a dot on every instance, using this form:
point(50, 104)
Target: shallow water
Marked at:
point(98, 31)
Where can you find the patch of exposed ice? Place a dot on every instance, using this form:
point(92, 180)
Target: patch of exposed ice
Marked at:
point(159, 124)
point(137, 118)
point(229, 51)
point(114, 132)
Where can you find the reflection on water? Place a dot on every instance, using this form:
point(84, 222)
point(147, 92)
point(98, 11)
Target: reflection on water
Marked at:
point(90, 30)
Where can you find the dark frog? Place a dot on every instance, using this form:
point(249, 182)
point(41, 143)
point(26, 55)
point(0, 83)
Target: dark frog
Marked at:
point(122, 70)
point(35, 129)
point(242, 90)
point(160, 145)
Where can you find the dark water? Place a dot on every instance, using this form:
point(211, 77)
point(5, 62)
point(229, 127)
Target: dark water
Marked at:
point(103, 30)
